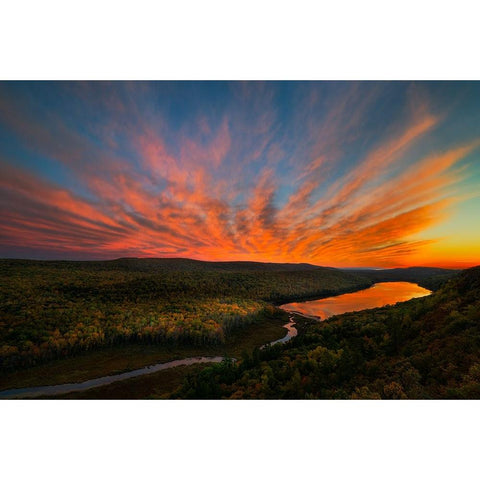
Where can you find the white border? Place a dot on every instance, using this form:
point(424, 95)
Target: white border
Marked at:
point(239, 439)
point(252, 39)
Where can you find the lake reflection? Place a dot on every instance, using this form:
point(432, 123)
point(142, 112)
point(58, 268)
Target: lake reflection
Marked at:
point(379, 295)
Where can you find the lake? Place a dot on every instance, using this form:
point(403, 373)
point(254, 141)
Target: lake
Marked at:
point(378, 295)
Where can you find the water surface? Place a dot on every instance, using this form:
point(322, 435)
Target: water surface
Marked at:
point(378, 295)
point(31, 392)
point(291, 332)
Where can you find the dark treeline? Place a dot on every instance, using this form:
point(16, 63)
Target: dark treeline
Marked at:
point(424, 348)
point(427, 277)
point(53, 309)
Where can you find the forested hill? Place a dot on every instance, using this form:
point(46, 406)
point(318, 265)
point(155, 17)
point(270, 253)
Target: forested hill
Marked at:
point(431, 278)
point(171, 278)
point(425, 348)
point(134, 264)
point(51, 309)
point(187, 264)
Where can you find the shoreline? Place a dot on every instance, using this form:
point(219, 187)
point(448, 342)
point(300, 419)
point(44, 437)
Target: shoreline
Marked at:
point(304, 315)
point(320, 296)
point(322, 319)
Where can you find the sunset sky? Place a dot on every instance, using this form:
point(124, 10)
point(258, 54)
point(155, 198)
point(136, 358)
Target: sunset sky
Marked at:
point(343, 174)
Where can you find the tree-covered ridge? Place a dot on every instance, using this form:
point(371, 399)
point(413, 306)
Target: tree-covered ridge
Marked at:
point(428, 277)
point(54, 309)
point(424, 348)
point(156, 264)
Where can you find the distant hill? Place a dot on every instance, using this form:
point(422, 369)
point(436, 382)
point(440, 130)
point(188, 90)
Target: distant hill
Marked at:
point(428, 277)
point(145, 264)
point(164, 264)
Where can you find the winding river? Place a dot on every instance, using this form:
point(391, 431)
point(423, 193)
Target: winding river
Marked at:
point(291, 332)
point(378, 295)
point(47, 390)
point(31, 392)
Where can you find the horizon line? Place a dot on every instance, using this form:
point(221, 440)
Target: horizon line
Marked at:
point(239, 261)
